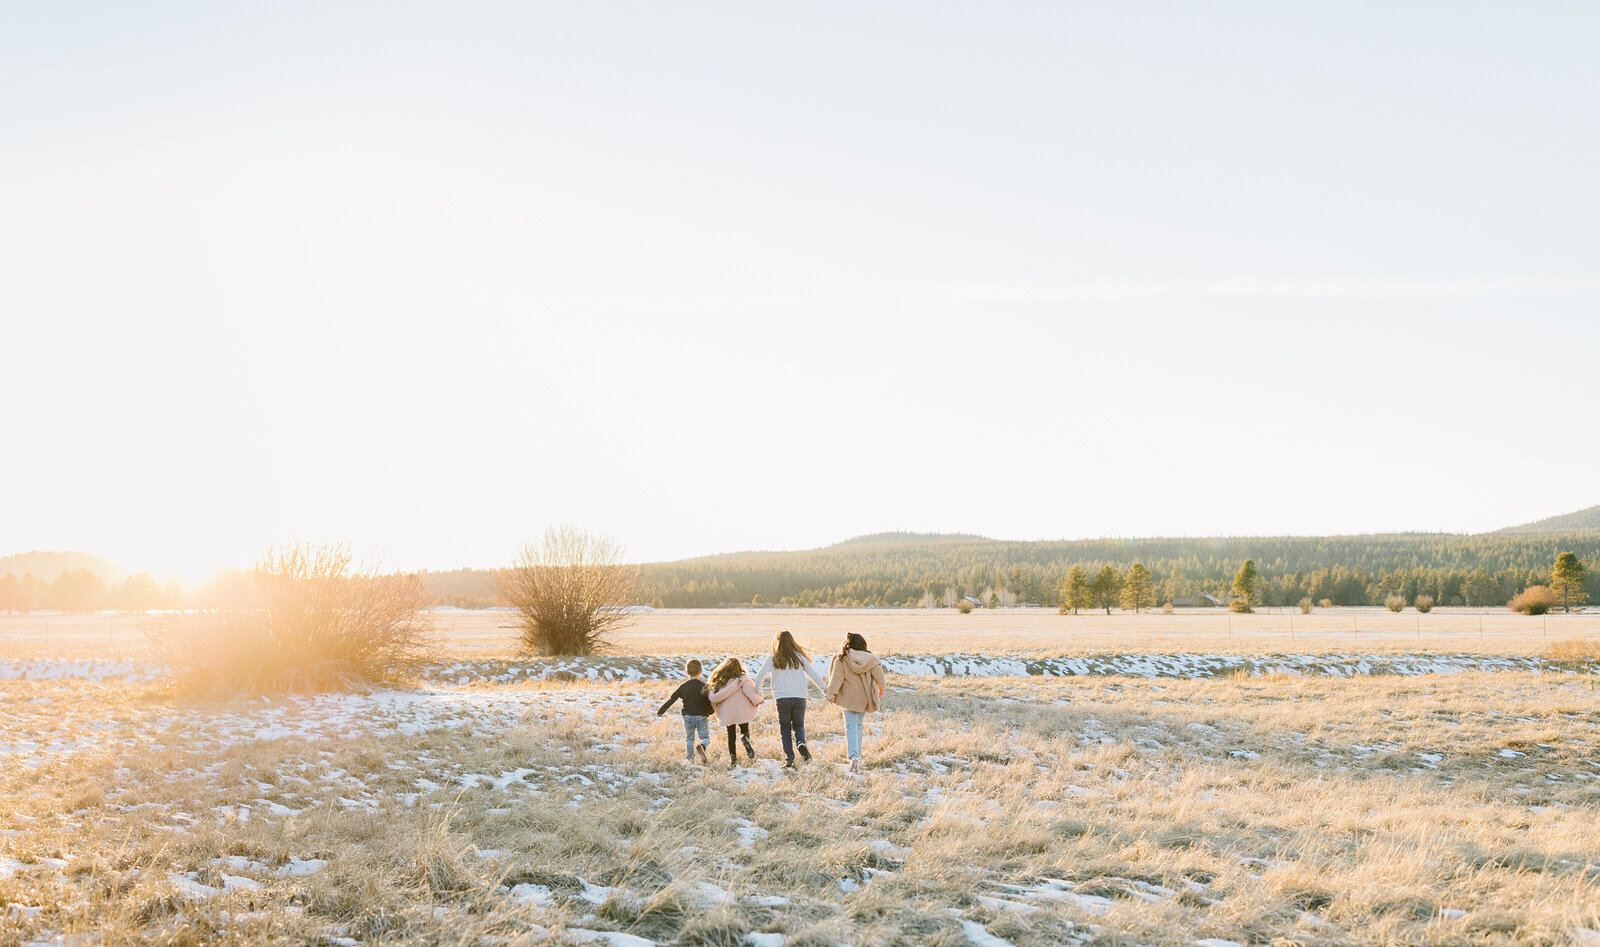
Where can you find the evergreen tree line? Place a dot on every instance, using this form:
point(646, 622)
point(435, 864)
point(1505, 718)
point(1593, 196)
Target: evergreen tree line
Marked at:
point(1481, 570)
point(900, 570)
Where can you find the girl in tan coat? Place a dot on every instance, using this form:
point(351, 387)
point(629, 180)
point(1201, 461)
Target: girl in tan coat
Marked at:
point(855, 683)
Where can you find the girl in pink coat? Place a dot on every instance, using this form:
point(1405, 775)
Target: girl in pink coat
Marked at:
point(736, 697)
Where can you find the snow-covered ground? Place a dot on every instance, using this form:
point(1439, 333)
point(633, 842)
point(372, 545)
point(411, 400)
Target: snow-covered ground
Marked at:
point(986, 799)
point(658, 668)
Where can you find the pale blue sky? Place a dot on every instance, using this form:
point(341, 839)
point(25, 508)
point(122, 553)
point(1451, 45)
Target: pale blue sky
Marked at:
point(430, 277)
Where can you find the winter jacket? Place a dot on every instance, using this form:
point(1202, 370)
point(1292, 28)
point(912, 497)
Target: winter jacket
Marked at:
point(737, 701)
point(693, 694)
point(789, 682)
point(855, 681)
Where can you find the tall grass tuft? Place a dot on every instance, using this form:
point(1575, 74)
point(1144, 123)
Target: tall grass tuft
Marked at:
point(301, 621)
point(1574, 650)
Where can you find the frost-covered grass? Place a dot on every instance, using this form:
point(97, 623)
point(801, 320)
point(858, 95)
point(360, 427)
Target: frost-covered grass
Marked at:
point(663, 667)
point(1452, 808)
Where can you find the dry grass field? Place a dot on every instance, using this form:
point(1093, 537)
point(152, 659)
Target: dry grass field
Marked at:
point(487, 633)
point(1435, 809)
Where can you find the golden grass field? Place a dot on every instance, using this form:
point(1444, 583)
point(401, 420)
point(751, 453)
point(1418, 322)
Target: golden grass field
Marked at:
point(487, 633)
point(1437, 809)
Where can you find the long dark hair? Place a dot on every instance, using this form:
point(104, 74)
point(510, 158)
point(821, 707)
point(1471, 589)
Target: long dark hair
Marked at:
point(727, 671)
point(853, 642)
point(786, 652)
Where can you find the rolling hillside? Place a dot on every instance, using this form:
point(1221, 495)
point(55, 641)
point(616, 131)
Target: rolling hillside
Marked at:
point(1345, 570)
point(47, 565)
point(1583, 521)
point(904, 568)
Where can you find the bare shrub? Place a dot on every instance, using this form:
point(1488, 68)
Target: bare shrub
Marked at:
point(570, 591)
point(301, 621)
point(1533, 600)
point(1394, 603)
point(1166, 609)
point(964, 606)
point(1325, 603)
point(1423, 603)
point(1305, 606)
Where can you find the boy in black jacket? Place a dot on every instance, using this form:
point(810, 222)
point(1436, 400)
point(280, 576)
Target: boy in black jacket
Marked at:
point(696, 711)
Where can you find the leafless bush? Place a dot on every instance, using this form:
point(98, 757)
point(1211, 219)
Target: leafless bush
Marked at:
point(1423, 603)
point(1394, 603)
point(1305, 606)
point(1533, 600)
point(570, 591)
point(303, 621)
point(964, 606)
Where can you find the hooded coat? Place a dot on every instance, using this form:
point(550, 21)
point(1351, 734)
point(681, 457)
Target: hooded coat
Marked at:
point(737, 701)
point(855, 681)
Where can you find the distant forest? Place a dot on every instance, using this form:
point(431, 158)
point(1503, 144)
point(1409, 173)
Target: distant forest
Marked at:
point(931, 570)
point(897, 570)
point(919, 570)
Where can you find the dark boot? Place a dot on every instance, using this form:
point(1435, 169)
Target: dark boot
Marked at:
point(749, 750)
point(805, 754)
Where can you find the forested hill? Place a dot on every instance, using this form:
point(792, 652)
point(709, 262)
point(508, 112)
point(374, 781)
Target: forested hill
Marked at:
point(47, 565)
point(1583, 521)
point(885, 570)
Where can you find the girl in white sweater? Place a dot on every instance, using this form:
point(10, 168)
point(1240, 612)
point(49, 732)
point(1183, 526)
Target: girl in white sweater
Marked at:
point(789, 667)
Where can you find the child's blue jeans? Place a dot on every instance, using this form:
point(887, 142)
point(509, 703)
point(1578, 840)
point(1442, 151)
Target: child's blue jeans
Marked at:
point(852, 732)
point(693, 726)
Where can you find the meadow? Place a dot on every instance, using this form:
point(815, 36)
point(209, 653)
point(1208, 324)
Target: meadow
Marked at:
point(1146, 801)
point(1037, 631)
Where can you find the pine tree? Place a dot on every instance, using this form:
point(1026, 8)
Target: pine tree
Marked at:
point(1075, 590)
point(1136, 587)
point(1176, 585)
point(10, 593)
point(1566, 580)
point(1244, 587)
point(1480, 589)
point(1106, 588)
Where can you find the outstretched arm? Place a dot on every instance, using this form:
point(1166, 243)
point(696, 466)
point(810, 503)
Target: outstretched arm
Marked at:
point(671, 700)
point(811, 672)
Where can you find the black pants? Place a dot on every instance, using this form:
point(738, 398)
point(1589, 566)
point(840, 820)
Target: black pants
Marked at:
point(733, 748)
point(792, 719)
